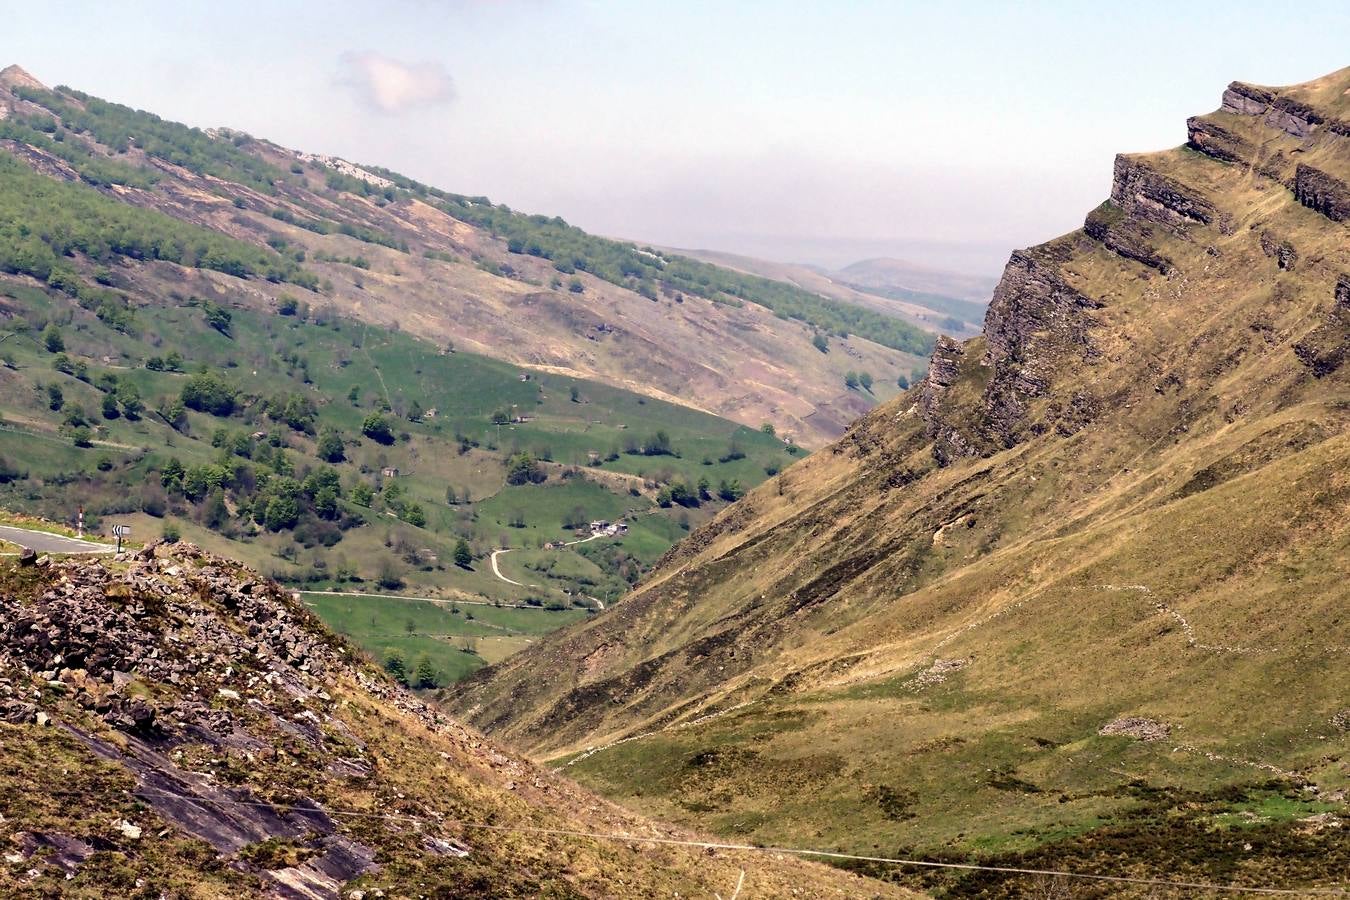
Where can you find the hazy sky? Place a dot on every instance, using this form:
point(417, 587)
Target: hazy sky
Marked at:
point(948, 133)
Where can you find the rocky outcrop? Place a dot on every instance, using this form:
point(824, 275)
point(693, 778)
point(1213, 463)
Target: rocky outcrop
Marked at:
point(16, 76)
point(1326, 348)
point(1037, 323)
point(1125, 237)
point(1145, 194)
point(1291, 116)
point(1322, 192)
point(1246, 99)
point(944, 368)
point(1215, 141)
point(1280, 250)
point(1137, 727)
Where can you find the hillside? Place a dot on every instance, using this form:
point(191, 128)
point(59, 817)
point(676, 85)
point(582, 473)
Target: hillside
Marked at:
point(1077, 600)
point(957, 313)
point(259, 221)
point(256, 434)
point(171, 725)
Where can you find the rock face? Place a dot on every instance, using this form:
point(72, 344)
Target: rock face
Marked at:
point(1323, 192)
point(1326, 348)
point(1246, 99)
point(943, 371)
point(1215, 141)
point(1145, 194)
point(1285, 113)
point(15, 76)
point(1036, 324)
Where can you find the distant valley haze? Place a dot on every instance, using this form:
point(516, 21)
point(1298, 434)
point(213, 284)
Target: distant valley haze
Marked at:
point(818, 133)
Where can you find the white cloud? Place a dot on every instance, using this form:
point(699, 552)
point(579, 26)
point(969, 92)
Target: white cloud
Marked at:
point(391, 86)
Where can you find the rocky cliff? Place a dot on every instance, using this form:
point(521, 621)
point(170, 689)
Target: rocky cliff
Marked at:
point(172, 725)
point(1125, 502)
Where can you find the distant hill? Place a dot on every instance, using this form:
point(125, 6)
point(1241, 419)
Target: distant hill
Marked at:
point(928, 309)
point(884, 273)
point(1077, 601)
point(377, 246)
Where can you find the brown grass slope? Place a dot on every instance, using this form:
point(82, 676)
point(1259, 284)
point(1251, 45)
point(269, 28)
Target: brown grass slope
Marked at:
point(740, 362)
point(1129, 498)
point(172, 726)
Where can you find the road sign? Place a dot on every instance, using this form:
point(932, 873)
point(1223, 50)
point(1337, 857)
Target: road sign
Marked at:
point(119, 532)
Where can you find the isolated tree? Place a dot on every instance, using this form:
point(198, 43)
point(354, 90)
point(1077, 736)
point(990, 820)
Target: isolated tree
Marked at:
point(865, 379)
point(450, 497)
point(902, 382)
point(376, 427)
point(463, 555)
point(130, 397)
point(767, 428)
point(821, 343)
point(396, 665)
point(217, 317)
point(52, 340)
point(851, 380)
point(424, 675)
point(389, 578)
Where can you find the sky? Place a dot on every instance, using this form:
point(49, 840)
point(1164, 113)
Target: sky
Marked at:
point(943, 133)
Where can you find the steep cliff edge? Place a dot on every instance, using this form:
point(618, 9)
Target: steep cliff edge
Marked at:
point(1126, 502)
point(172, 725)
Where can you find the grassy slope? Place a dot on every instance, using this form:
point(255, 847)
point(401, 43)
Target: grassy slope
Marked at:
point(928, 654)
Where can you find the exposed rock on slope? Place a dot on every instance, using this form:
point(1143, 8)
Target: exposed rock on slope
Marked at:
point(387, 254)
point(176, 726)
point(1128, 500)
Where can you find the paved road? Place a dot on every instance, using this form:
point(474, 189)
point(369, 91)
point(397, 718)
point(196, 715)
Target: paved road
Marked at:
point(46, 542)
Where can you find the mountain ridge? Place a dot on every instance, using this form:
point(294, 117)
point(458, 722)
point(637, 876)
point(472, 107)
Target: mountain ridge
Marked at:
point(1118, 508)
